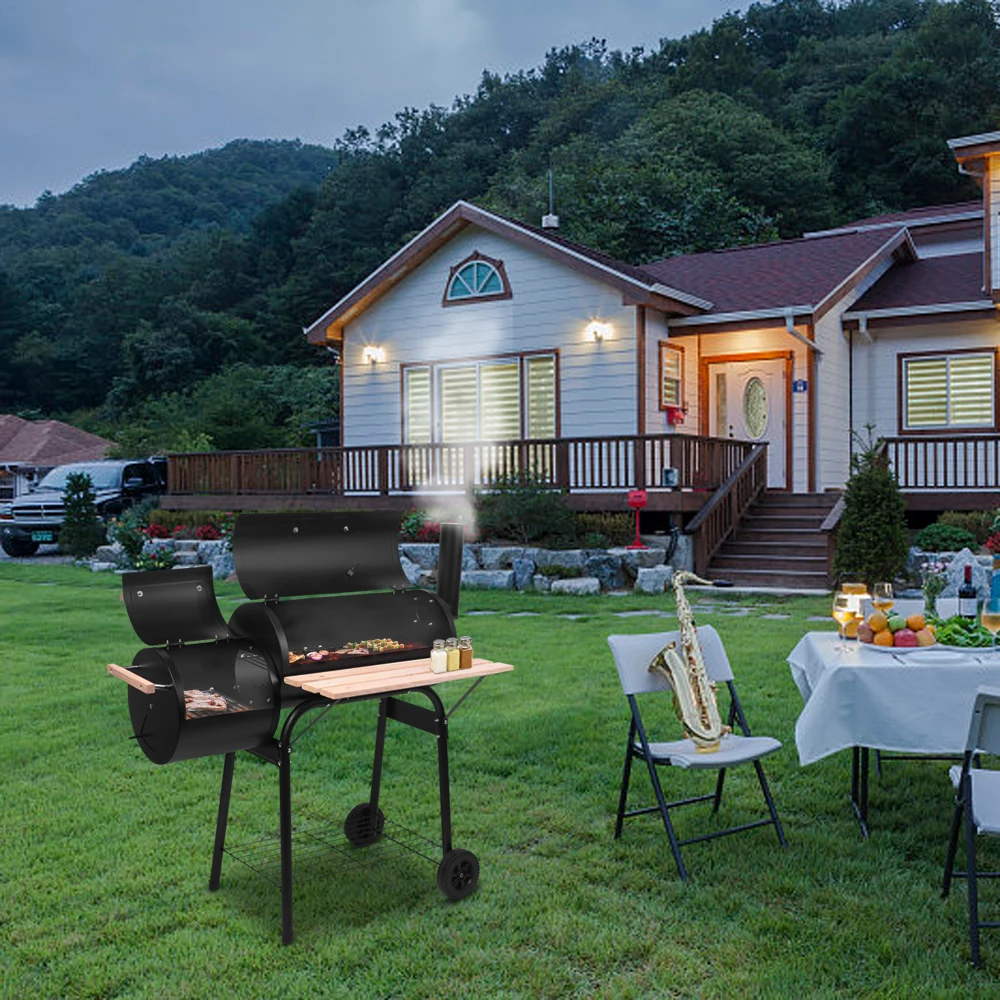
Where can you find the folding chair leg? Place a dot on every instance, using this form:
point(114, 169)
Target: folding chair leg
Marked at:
point(970, 864)
point(770, 803)
point(949, 863)
point(719, 782)
point(668, 826)
point(623, 796)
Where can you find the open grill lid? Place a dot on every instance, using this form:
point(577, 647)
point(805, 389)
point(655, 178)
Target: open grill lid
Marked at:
point(168, 606)
point(300, 554)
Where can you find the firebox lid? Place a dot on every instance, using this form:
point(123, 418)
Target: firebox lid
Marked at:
point(174, 605)
point(298, 554)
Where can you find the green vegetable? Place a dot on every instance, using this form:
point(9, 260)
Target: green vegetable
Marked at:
point(959, 631)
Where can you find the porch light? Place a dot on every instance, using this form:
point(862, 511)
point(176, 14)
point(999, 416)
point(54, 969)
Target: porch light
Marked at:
point(597, 331)
point(372, 354)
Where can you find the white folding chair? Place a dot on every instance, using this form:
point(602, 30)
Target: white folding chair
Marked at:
point(978, 803)
point(633, 654)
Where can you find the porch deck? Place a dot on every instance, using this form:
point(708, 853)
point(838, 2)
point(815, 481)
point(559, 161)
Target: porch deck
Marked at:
point(595, 472)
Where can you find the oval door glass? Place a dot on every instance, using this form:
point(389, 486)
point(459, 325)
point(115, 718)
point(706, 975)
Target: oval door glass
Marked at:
point(755, 408)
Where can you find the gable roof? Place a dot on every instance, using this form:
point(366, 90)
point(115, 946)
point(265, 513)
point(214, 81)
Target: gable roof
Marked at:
point(804, 275)
point(636, 284)
point(47, 442)
point(929, 215)
point(955, 280)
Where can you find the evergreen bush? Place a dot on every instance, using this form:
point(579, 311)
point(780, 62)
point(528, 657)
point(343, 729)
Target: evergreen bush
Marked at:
point(940, 537)
point(522, 508)
point(81, 530)
point(128, 531)
point(873, 542)
point(978, 522)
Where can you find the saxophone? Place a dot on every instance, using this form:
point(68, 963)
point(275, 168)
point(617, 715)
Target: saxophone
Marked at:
point(684, 671)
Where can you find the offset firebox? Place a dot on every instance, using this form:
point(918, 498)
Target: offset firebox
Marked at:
point(205, 687)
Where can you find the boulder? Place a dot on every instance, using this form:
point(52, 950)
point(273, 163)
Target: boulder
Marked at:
point(99, 566)
point(981, 574)
point(541, 583)
point(653, 579)
point(632, 560)
point(566, 558)
point(424, 554)
point(218, 556)
point(410, 569)
point(578, 586)
point(488, 579)
point(607, 568)
point(108, 553)
point(499, 556)
point(524, 571)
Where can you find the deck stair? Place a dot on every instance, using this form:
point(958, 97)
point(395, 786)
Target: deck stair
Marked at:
point(778, 543)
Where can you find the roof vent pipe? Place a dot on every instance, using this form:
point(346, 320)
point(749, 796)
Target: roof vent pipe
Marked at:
point(551, 220)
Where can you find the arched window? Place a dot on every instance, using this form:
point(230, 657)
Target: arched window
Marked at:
point(476, 279)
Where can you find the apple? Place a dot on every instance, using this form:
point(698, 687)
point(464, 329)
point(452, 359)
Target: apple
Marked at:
point(905, 637)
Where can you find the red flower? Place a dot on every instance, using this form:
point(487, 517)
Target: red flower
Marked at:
point(207, 533)
point(993, 543)
point(155, 531)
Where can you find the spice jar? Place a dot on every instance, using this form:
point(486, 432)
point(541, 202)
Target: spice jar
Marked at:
point(465, 652)
point(451, 650)
point(439, 658)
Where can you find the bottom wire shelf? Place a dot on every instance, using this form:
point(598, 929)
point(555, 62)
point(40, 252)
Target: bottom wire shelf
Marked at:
point(324, 849)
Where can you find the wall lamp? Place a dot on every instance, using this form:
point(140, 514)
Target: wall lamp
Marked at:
point(598, 331)
point(374, 355)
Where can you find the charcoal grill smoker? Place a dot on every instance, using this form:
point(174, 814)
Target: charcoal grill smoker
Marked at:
point(204, 687)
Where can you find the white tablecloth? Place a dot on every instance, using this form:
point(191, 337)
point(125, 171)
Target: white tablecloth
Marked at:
point(911, 703)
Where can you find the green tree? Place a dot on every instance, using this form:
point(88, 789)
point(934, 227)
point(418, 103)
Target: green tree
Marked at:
point(81, 530)
point(872, 543)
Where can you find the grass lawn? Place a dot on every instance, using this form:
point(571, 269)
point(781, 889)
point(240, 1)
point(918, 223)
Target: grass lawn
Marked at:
point(105, 856)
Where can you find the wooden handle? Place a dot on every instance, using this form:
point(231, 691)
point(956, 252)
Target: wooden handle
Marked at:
point(132, 679)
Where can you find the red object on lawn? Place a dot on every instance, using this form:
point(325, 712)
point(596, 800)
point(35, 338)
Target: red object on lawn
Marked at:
point(637, 500)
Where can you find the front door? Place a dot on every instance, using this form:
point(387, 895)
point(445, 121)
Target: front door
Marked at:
point(747, 402)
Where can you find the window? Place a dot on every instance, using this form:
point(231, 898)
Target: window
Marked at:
point(478, 278)
point(496, 399)
point(671, 376)
point(948, 391)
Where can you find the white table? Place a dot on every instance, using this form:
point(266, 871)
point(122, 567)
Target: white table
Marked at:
point(860, 698)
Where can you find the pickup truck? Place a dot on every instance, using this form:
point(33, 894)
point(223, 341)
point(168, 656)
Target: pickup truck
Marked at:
point(36, 518)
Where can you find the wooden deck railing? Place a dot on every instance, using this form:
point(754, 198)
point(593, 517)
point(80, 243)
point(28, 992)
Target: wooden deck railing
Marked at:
point(583, 464)
point(945, 463)
point(716, 521)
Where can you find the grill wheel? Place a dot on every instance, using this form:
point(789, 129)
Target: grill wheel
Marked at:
point(358, 827)
point(458, 874)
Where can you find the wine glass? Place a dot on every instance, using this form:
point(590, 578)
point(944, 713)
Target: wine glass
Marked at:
point(991, 619)
point(842, 613)
point(882, 597)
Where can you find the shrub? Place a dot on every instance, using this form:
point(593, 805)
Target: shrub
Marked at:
point(127, 531)
point(81, 530)
point(158, 558)
point(207, 533)
point(523, 509)
point(977, 522)
point(873, 542)
point(615, 527)
point(939, 537)
point(156, 530)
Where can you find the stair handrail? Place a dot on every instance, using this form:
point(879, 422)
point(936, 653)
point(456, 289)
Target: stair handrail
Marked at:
point(717, 520)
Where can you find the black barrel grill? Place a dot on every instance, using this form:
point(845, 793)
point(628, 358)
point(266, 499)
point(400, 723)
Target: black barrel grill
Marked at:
point(203, 687)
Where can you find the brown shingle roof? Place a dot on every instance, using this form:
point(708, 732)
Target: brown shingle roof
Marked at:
point(926, 282)
point(771, 275)
point(47, 442)
point(914, 216)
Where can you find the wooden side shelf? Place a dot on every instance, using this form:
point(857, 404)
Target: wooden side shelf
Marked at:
point(354, 682)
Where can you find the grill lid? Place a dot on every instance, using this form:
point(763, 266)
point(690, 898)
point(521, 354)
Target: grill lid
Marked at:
point(173, 605)
point(299, 554)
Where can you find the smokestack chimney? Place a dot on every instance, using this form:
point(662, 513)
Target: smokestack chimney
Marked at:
point(449, 571)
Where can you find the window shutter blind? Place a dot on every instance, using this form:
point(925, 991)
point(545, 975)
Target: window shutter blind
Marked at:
point(670, 389)
point(970, 390)
point(417, 405)
point(541, 378)
point(499, 402)
point(926, 393)
point(458, 403)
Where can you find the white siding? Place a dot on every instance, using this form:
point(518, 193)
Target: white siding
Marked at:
point(550, 309)
point(876, 370)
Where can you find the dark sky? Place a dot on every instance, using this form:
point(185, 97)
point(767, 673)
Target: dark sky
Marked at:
point(87, 86)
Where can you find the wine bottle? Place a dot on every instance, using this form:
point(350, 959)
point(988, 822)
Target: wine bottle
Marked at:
point(967, 596)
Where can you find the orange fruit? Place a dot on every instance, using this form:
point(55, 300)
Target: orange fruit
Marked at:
point(878, 622)
point(851, 628)
point(883, 638)
point(915, 622)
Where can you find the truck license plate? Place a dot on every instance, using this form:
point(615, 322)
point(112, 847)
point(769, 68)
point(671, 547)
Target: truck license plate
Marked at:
point(41, 536)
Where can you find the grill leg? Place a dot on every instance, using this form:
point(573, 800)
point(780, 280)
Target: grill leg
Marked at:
point(285, 811)
point(220, 823)
point(377, 764)
point(441, 732)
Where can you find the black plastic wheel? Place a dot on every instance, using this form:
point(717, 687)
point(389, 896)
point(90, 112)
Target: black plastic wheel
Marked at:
point(458, 874)
point(358, 827)
point(18, 548)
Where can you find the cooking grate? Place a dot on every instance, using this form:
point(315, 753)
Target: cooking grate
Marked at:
point(324, 849)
